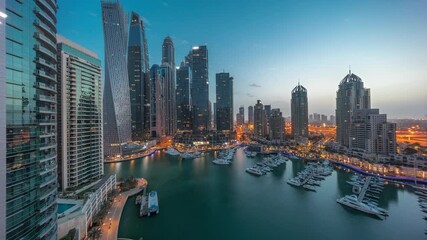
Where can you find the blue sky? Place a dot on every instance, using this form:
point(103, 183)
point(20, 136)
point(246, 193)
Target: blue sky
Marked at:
point(269, 45)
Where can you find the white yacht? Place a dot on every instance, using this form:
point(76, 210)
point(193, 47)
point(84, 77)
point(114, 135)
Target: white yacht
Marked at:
point(221, 161)
point(309, 187)
point(197, 153)
point(353, 202)
point(172, 152)
point(255, 171)
point(294, 182)
point(187, 155)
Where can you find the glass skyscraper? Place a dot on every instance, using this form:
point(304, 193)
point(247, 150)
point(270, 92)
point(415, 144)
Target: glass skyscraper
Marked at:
point(117, 113)
point(80, 152)
point(299, 111)
point(259, 119)
point(224, 102)
point(198, 60)
point(183, 98)
point(139, 79)
point(168, 74)
point(31, 120)
point(2, 120)
point(351, 96)
point(157, 102)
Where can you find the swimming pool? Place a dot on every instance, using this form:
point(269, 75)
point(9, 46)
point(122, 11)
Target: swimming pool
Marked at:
point(62, 207)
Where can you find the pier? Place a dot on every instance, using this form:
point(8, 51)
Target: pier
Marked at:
point(364, 188)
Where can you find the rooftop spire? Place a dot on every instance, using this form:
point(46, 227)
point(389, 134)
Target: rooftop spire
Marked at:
point(349, 69)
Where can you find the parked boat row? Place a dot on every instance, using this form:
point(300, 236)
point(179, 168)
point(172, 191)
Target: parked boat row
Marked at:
point(225, 157)
point(310, 177)
point(172, 151)
point(190, 155)
point(267, 165)
point(422, 200)
point(368, 190)
point(251, 154)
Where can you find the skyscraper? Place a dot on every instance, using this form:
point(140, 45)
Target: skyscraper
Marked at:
point(251, 115)
point(168, 73)
point(198, 61)
point(276, 125)
point(224, 102)
point(157, 102)
point(117, 113)
point(183, 98)
point(259, 119)
point(240, 117)
point(299, 111)
point(31, 119)
point(2, 120)
point(80, 149)
point(139, 79)
point(351, 96)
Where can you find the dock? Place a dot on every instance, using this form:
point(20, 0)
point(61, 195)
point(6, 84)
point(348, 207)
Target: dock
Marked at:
point(143, 210)
point(364, 188)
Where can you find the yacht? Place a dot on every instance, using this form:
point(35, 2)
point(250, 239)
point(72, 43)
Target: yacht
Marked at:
point(254, 171)
point(309, 187)
point(197, 153)
point(294, 182)
point(221, 161)
point(172, 152)
point(187, 155)
point(353, 202)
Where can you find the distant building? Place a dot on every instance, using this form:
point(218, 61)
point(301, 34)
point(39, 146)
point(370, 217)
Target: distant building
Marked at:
point(332, 119)
point(139, 79)
point(117, 111)
point(370, 132)
point(168, 73)
point(276, 125)
point(198, 61)
point(299, 111)
point(240, 116)
point(251, 115)
point(351, 96)
point(316, 117)
point(323, 118)
point(183, 97)
point(224, 102)
point(80, 136)
point(157, 102)
point(259, 119)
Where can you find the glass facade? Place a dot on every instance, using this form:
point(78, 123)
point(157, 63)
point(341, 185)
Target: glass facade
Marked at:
point(139, 79)
point(157, 102)
point(117, 113)
point(299, 112)
point(79, 115)
point(224, 102)
point(168, 72)
point(2, 122)
point(183, 98)
point(31, 181)
point(200, 88)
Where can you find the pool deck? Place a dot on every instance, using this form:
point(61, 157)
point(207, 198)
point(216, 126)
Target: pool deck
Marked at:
point(110, 228)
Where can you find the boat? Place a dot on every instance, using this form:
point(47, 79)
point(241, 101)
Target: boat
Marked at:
point(221, 161)
point(172, 152)
point(254, 171)
point(309, 187)
point(197, 153)
point(153, 203)
point(187, 155)
point(294, 182)
point(353, 202)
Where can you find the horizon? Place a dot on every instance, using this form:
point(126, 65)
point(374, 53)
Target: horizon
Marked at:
point(309, 42)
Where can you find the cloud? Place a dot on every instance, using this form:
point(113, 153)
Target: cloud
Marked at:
point(165, 4)
point(254, 85)
point(250, 95)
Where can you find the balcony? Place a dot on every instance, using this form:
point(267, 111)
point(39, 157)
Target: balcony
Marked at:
point(45, 16)
point(45, 51)
point(45, 40)
point(46, 98)
point(47, 6)
point(48, 157)
point(47, 134)
point(46, 87)
point(45, 122)
point(47, 146)
point(45, 28)
point(47, 110)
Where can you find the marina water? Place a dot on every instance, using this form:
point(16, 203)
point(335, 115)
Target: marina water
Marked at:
point(200, 200)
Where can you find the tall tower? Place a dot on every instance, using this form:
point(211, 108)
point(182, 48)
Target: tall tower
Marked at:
point(31, 120)
point(168, 73)
point(351, 96)
point(250, 115)
point(259, 119)
point(198, 61)
point(2, 120)
point(299, 111)
point(139, 79)
point(157, 102)
point(117, 113)
point(80, 149)
point(276, 125)
point(183, 98)
point(224, 102)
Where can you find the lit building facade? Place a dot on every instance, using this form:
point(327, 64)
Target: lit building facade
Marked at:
point(259, 119)
point(224, 102)
point(250, 115)
point(276, 125)
point(157, 102)
point(168, 74)
point(240, 116)
point(80, 147)
point(299, 111)
point(117, 111)
point(2, 119)
point(31, 120)
point(139, 79)
point(183, 97)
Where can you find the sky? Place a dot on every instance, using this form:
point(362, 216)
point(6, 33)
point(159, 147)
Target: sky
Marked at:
point(270, 45)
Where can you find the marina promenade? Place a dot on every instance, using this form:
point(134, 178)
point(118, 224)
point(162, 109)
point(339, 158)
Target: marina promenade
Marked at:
point(111, 223)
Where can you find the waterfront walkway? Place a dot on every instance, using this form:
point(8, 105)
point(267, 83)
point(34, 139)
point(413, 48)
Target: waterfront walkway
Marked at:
point(133, 157)
point(110, 227)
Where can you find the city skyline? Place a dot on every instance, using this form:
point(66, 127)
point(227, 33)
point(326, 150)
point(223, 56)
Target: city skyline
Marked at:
point(390, 63)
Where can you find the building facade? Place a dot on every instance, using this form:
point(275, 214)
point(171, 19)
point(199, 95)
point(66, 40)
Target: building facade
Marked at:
point(80, 136)
point(117, 111)
point(168, 73)
point(276, 125)
point(250, 115)
point(299, 111)
point(351, 96)
point(259, 119)
point(198, 60)
point(31, 120)
point(139, 79)
point(3, 17)
point(157, 102)
point(240, 116)
point(183, 97)
point(224, 102)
